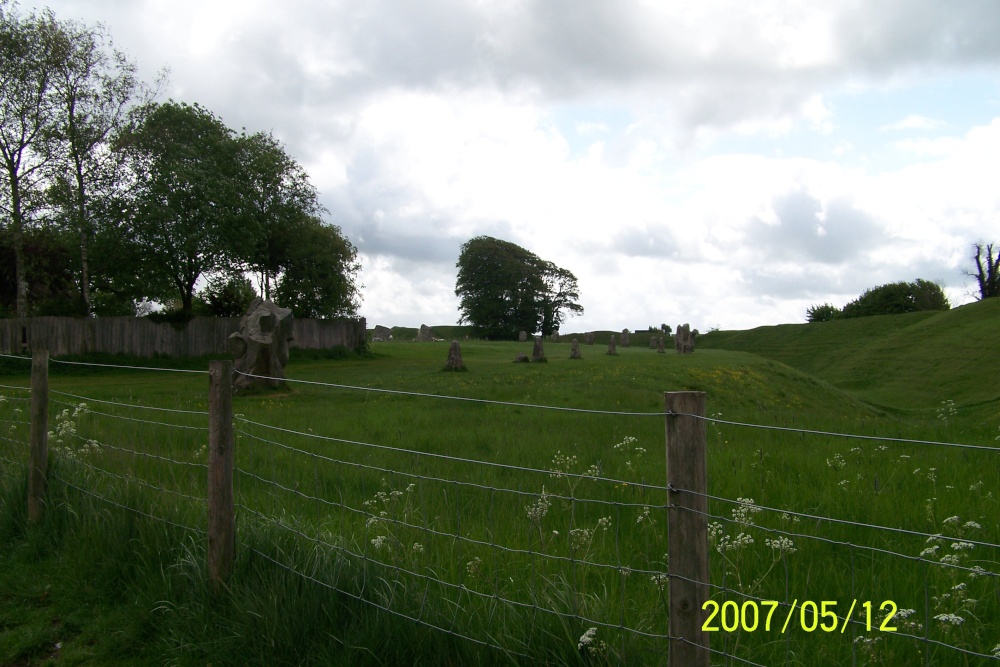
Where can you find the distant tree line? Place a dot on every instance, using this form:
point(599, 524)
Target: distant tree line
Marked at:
point(888, 299)
point(110, 200)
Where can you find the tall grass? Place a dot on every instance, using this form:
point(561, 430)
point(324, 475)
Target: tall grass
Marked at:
point(497, 563)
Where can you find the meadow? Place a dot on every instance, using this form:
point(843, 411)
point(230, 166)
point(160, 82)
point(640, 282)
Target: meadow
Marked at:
point(403, 528)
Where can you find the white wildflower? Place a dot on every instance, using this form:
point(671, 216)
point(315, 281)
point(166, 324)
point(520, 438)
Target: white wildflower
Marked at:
point(950, 618)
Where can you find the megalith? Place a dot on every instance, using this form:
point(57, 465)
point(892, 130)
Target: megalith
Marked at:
point(522, 337)
point(574, 352)
point(381, 334)
point(684, 339)
point(625, 340)
point(260, 347)
point(588, 338)
point(425, 335)
point(538, 354)
point(454, 357)
point(611, 345)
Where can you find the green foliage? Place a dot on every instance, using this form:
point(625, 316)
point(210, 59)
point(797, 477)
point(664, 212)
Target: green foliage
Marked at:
point(319, 277)
point(898, 297)
point(228, 296)
point(823, 313)
point(505, 289)
point(185, 204)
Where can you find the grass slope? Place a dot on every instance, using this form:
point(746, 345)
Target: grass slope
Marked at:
point(906, 362)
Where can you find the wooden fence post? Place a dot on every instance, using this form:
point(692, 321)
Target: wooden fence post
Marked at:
point(221, 509)
point(687, 538)
point(38, 435)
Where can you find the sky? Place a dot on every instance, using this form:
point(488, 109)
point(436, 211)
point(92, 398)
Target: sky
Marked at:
point(721, 162)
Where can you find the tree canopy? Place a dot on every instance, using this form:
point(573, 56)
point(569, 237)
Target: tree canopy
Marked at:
point(987, 273)
point(109, 200)
point(888, 299)
point(505, 289)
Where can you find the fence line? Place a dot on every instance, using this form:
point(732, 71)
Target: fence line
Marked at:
point(888, 529)
point(698, 648)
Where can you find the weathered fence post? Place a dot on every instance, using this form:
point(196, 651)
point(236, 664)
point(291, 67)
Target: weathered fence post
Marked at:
point(687, 527)
point(39, 434)
point(221, 510)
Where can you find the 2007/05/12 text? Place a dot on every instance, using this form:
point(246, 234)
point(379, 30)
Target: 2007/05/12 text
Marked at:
point(752, 615)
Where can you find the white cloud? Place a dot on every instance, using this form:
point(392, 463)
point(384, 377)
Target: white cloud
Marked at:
point(913, 122)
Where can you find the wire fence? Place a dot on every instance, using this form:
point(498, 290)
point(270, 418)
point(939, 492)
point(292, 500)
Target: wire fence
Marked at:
point(464, 546)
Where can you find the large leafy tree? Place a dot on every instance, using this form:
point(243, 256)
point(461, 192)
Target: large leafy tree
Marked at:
point(505, 289)
point(94, 87)
point(26, 118)
point(279, 204)
point(318, 278)
point(185, 205)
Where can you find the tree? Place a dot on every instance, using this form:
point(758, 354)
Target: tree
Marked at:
point(319, 275)
point(185, 205)
point(505, 289)
point(898, 297)
point(987, 273)
point(822, 313)
point(278, 200)
point(93, 87)
point(26, 113)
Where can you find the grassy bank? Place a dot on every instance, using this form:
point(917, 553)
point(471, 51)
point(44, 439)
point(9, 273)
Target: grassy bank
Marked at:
point(469, 517)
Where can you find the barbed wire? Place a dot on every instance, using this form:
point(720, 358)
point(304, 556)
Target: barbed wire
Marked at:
point(26, 390)
point(819, 538)
point(462, 588)
point(131, 419)
point(126, 507)
point(128, 405)
point(136, 368)
point(439, 533)
point(158, 457)
point(19, 464)
point(814, 517)
point(446, 457)
point(875, 438)
point(456, 398)
point(551, 473)
point(128, 479)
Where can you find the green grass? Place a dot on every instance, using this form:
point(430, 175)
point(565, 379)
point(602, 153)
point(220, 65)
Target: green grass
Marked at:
point(114, 586)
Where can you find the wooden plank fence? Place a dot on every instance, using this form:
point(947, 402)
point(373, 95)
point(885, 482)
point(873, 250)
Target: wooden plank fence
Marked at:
point(141, 337)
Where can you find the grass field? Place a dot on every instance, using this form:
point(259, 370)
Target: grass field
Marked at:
point(509, 531)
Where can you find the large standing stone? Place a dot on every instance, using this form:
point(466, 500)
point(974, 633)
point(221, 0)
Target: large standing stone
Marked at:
point(538, 354)
point(425, 335)
point(521, 358)
point(652, 342)
point(684, 339)
point(381, 334)
point(574, 353)
point(261, 345)
point(555, 336)
point(611, 345)
point(522, 337)
point(626, 341)
point(588, 338)
point(454, 357)
point(659, 345)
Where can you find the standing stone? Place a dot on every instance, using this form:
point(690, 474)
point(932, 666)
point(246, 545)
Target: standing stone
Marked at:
point(652, 342)
point(455, 357)
point(425, 335)
point(538, 354)
point(381, 334)
point(261, 345)
point(659, 345)
point(522, 337)
point(588, 338)
point(684, 339)
point(521, 358)
point(611, 345)
point(574, 353)
point(555, 336)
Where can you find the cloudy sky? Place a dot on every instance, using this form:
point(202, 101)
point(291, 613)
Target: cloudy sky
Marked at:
point(723, 163)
